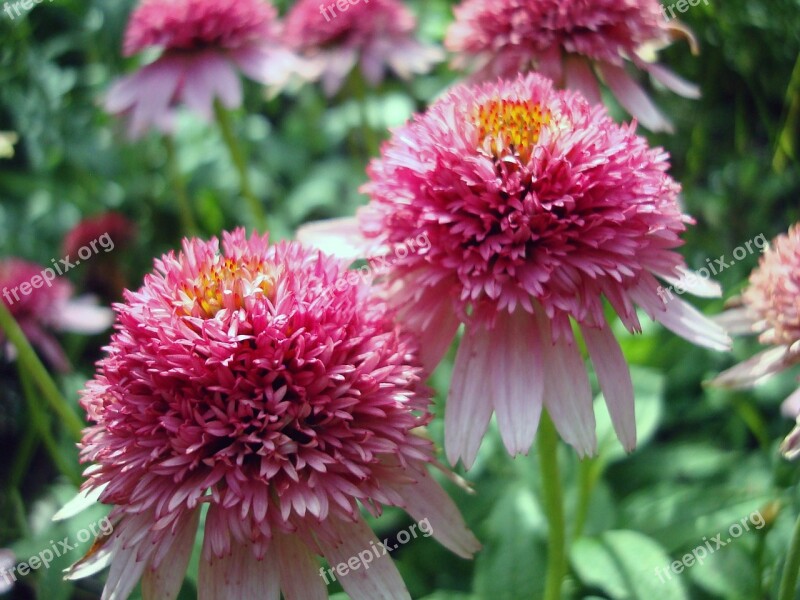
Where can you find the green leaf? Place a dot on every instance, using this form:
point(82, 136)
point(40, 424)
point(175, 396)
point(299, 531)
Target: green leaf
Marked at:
point(624, 565)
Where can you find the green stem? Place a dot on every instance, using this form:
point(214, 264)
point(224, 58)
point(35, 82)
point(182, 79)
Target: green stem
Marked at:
point(547, 446)
point(589, 470)
point(23, 457)
point(239, 161)
point(785, 148)
point(184, 206)
point(40, 423)
point(372, 145)
point(791, 567)
point(31, 363)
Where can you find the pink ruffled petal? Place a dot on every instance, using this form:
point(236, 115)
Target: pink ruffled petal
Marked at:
point(211, 76)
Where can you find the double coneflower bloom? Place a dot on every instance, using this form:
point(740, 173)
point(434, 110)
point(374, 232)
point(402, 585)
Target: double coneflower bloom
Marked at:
point(770, 308)
point(201, 44)
point(378, 35)
point(537, 207)
point(571, 42)
point(265, 383)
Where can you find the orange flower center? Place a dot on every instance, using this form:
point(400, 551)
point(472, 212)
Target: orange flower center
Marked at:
point(228, 284)
point(511, 126)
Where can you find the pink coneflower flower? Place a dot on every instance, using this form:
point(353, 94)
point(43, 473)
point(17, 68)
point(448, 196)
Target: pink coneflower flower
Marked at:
point(41, 303)
point(108, 234)
point(770, 307)
point(201, 43)
point(377, 34)
point(537, 206)
point(266, 383)
point(568, 40)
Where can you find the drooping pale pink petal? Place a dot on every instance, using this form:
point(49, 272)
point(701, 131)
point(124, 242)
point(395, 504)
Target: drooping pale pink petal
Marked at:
point(633, 99)
point(430, 505)
point(579, 76)
point(82, 315)
point(615, 381)
point(754, 370)
point(738, 321)
point(381, 581)
point(567, 394)
point(694, 283)
point(689, 323)
point(238, 575)
point(468, 409)
point(299, 573)
point(212, 77)
point(82, 500)
point(515, 365)
point(162, 578)
point(671, 81)
point(791, 406)
point(339, 237)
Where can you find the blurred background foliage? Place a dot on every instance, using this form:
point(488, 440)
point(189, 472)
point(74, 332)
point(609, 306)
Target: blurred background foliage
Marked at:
point(706, 458)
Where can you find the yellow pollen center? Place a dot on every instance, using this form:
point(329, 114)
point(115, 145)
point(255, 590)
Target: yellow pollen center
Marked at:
point(227, 284)
point(511, 126)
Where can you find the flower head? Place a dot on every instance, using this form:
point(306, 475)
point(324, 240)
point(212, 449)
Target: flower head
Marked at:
point(378, 34)
point(537, 206)
point(201, 44)
point(566, 40)
point(107, 235)
point(265, 382)
point(769, 307)
point(41, 303)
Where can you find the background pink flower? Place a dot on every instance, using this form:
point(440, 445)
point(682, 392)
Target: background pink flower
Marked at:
point(45, 308)
point(537, 207)
point(202, 43)
point(377, 34)
point(267, 383)
point(567, 40)
point(770, 307)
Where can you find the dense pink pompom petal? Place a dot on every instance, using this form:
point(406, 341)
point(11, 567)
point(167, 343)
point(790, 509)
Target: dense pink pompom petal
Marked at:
point(265, 381)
